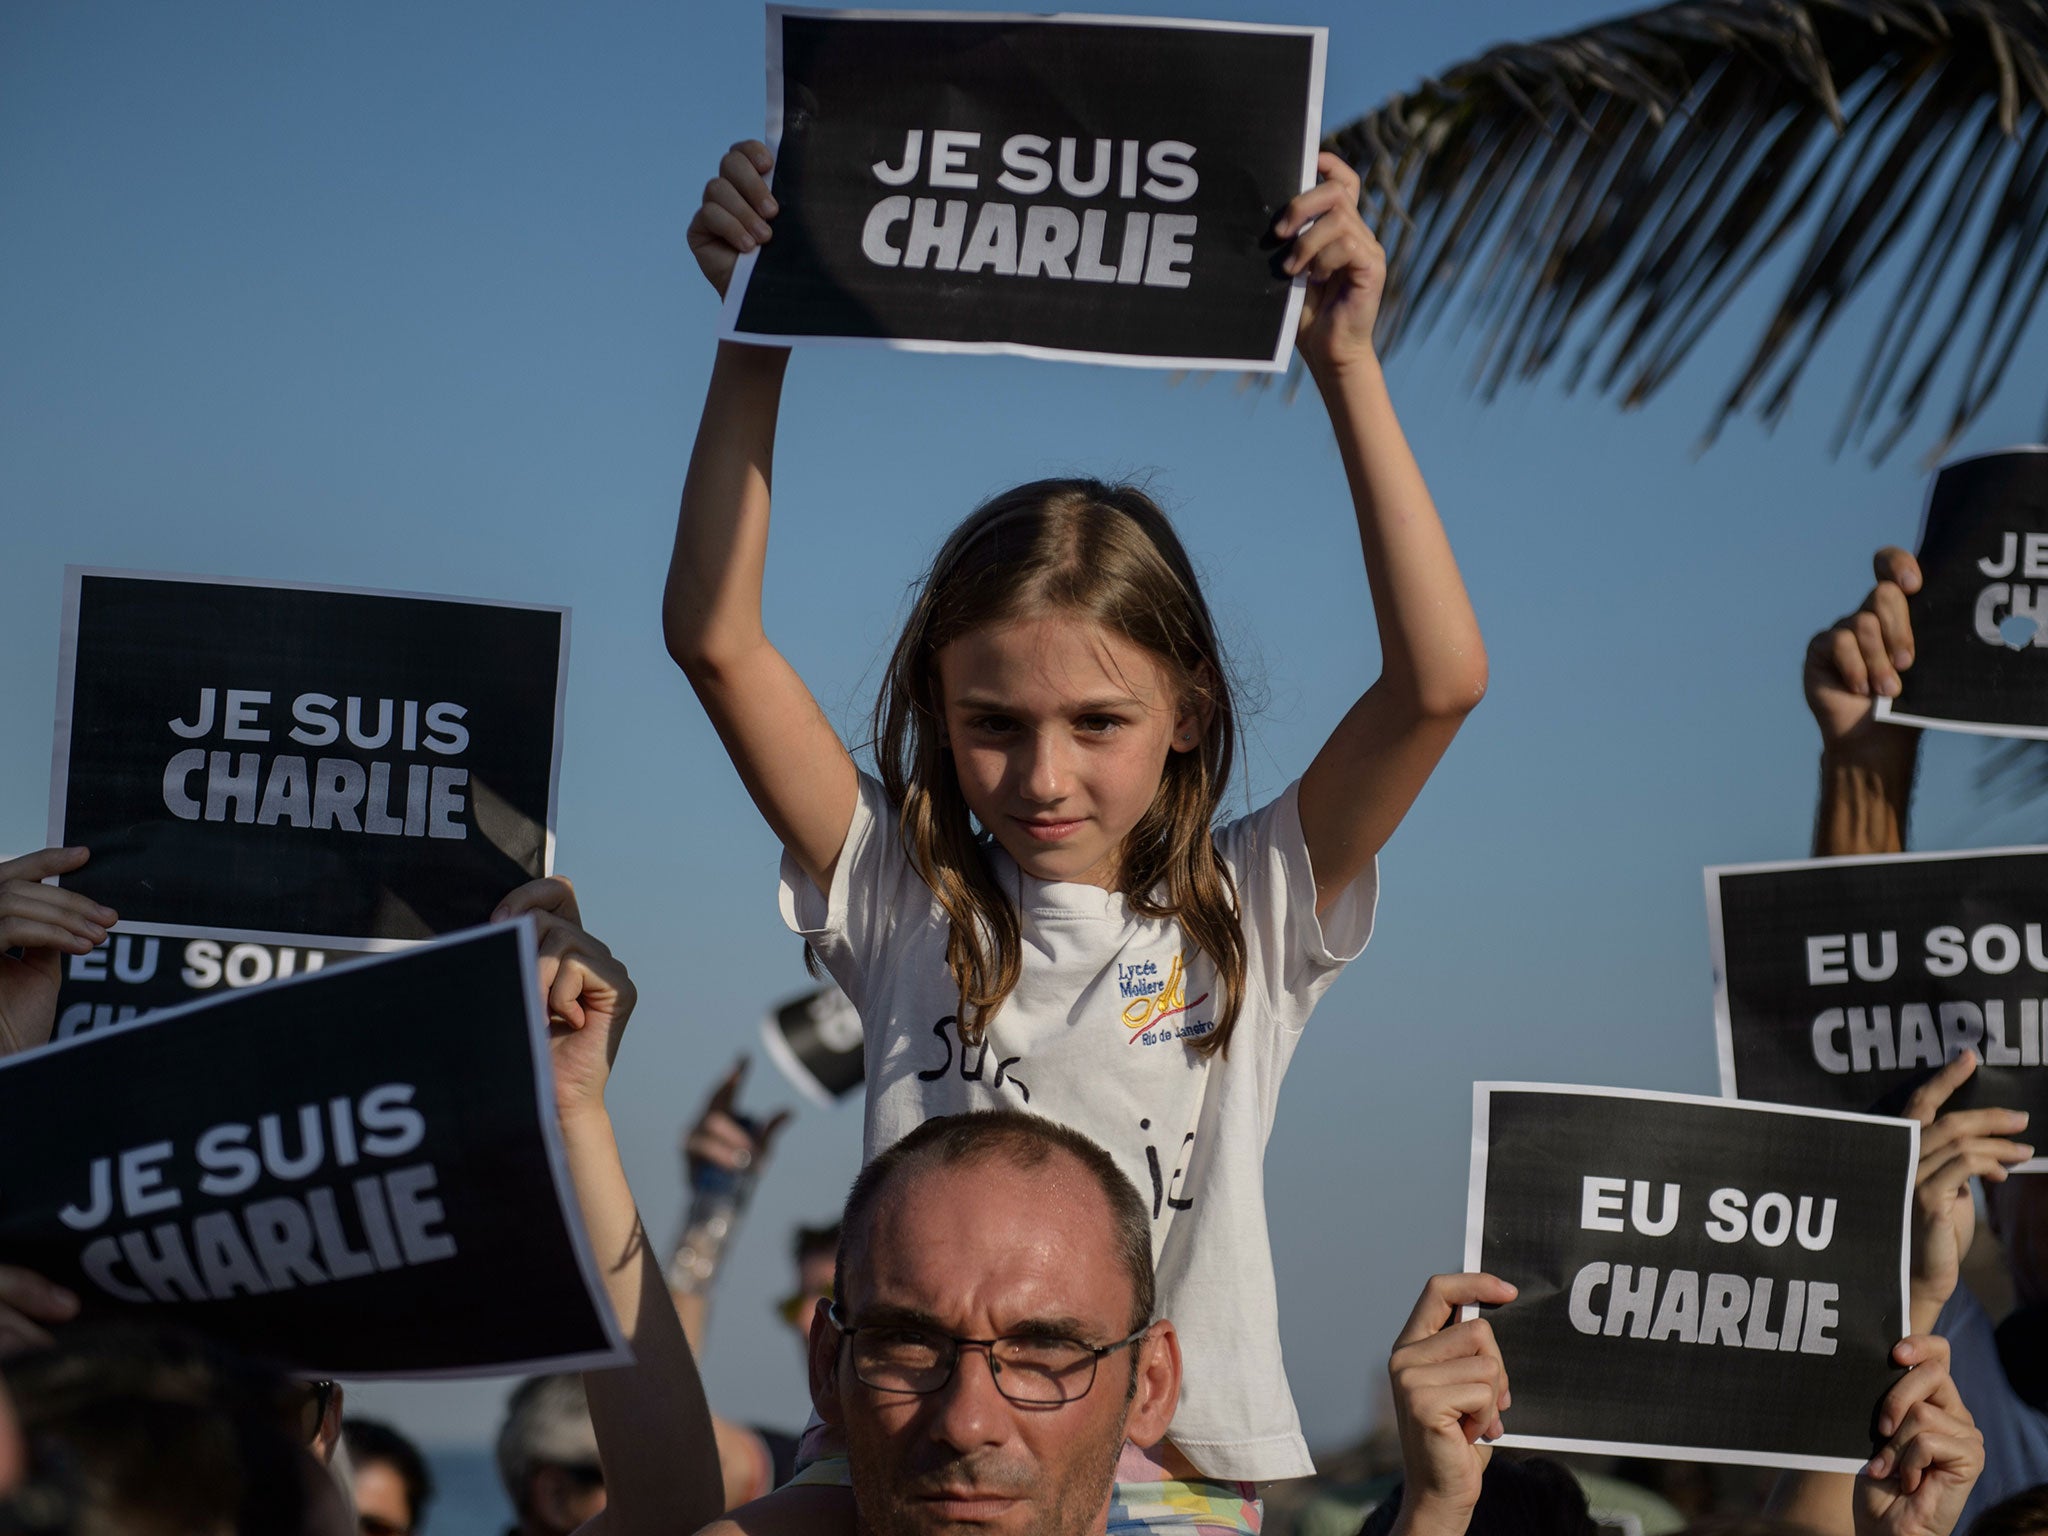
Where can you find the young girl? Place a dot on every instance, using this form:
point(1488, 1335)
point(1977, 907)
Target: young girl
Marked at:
point(1030, 906)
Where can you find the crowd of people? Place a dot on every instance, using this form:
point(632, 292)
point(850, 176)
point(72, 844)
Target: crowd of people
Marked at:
point(1048, 1304)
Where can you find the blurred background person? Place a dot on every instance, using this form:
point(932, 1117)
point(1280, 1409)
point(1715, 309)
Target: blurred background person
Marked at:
point(392, 1484)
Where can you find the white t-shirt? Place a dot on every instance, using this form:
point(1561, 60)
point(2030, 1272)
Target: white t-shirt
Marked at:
point(1093, 1037)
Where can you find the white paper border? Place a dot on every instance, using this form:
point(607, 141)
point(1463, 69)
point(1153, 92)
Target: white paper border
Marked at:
point(1475, 1224)
point(794, 1071)
point(618, 1351)
point(1283, 351)
point(60, 749)
point(1884, 709)
point(1724, 1022)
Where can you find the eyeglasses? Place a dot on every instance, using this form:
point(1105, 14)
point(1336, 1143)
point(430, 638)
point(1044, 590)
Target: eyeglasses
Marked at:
point(1034, 1370)
point(305, 1407)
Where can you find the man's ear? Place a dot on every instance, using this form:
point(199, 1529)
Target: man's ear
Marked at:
point(328, 1436)
point(824, 1363)
point(1156, 1359)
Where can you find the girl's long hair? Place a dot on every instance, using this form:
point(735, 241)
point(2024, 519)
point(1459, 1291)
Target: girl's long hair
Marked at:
point(1099, 552)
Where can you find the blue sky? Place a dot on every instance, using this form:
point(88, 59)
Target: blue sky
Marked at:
point(397, 296)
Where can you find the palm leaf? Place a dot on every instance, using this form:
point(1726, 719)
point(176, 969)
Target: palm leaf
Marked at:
point(1595, 201)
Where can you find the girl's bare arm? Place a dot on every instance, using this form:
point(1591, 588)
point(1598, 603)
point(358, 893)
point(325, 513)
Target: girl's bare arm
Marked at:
point(1433, 662)
point(787, 754)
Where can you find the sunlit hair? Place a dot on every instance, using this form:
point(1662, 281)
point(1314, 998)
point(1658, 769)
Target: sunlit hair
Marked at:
point(1098, 552)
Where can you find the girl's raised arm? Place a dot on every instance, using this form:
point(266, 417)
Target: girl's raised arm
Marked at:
point(1433, 663)
point(787, 753)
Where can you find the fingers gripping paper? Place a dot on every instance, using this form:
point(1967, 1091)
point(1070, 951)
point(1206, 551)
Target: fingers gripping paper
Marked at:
point(1101, 188)
point(355, 1173)
point(1698, 1279)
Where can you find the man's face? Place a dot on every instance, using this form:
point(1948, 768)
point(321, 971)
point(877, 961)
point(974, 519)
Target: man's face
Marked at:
point(983, 1251)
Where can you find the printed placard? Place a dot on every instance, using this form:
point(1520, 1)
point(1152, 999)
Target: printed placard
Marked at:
point(354, 1173)
point(1101, 188)
point(1698, 1279)
point(131, 975)
point(816, 1040)
point(1980, 618)
point(1845, 983)
point(296, 765)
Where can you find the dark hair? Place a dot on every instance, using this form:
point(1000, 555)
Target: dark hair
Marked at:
point(1018, 1140)
point(2024, 1514)
point(1519, 1496)
point(370, 1440)
point(810, 1240)
point(1102, 552)
point(144, 1432)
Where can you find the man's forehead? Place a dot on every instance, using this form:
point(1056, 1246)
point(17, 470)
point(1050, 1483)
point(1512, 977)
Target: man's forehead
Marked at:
point(987, 1244)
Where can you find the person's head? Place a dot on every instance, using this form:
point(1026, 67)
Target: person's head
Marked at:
point(1060, 684)
point(992, 1226)
point(2024, 1514)
point(2018, 1209)
point(815, 1252)
point(392, 1483)
point(1518, 1496)
point(138, 1432)
point(547, 1456)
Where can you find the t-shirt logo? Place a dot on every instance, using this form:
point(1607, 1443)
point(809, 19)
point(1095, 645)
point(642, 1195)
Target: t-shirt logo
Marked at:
point(1154, 998)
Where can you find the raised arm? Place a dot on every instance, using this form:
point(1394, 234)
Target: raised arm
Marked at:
point(1432, 660)
point(1866, 764)
point(654, 1430)
point(787, 753)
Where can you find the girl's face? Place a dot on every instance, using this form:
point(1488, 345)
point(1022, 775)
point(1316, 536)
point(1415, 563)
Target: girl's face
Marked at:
point(1059, 730)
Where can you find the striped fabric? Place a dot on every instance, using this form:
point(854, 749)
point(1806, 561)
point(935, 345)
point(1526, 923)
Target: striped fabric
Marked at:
point(1145, 1498)
point(1148, 1498)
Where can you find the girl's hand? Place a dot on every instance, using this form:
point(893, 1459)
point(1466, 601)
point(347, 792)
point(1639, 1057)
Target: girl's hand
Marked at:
point(1346, 268)
point(1919, 1481)
point(733, 219)
point(46, 923)
point(587, 992)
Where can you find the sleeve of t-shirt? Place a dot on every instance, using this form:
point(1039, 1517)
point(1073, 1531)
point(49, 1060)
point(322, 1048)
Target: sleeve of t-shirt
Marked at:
point(1291, 953)
point(871, 883)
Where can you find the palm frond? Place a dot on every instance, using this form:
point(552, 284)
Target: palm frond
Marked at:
point(1594, 201)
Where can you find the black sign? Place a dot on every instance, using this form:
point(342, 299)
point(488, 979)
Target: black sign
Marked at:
point(292, 765)
point(1698, 1279)
point(816, 1040)
point(355, 1173)
point(1102, 189)
point(1980, 618)
point(1844, 983)
point(132, 974)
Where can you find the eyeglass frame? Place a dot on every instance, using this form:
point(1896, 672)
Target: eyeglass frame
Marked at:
point(987, 1347)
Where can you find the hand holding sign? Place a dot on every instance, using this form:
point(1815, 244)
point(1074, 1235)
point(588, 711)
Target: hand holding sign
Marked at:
point(1450, 1387)
point(1920, 1479)
point(1861, 655)
point(735, 213)
point(27, 1301)
point(1347, 269)
point(1954, 1148)
point(587, 993)
point(44, 923)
